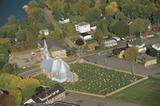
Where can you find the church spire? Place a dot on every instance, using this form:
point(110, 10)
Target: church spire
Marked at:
point(45, 51)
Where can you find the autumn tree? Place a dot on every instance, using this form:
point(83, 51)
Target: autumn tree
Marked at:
point(130, 54)
point(111, 9)
point(28, 87)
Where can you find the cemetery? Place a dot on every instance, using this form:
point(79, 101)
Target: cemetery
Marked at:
point(94, 79)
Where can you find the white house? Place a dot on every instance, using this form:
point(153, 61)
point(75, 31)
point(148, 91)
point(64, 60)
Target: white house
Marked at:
point(85, 36)
point(156, 46)
point(110, 43)
point(140, 45)
point(44, 32)
point(83, 27)
point(64, 20)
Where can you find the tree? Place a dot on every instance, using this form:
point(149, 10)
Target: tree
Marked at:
point(130, 54)
point(103, 25)
point(98, 36)
point(17, 97)
point(119, 15)
point(97, 3)
point(12, 20)
point(21, 36)
point(55, 5)
point(139, 25)
point(94, 14)
point(121, 29)
point(111, 9)
point(28, 87)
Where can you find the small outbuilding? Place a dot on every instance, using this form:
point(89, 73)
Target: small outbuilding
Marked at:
point(146, 60)
point(93, 46)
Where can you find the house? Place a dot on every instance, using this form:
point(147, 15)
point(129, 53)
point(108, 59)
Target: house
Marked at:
point(156, 46)
point(116, 38)
point(64, 20)
point(139, 44)
point(55, 47)
point(93, 46)
point(44, 32)
point(48, 95)
point(110, 43)
point(83, 27)
point(146, 60)
point(85, 36)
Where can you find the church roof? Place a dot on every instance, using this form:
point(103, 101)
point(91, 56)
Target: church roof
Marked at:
point(58, 67)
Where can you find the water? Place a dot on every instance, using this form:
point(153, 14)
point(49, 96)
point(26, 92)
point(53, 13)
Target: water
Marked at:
point(11, 7)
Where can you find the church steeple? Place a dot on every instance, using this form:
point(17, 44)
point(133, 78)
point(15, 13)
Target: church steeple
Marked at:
point(45, 51)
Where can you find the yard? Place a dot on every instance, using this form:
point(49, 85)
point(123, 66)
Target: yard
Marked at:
point(146, 93)
point(94, 79)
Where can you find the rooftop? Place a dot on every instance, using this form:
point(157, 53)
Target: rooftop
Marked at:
point(53, 91)
point(82, 23)
point(53, 44)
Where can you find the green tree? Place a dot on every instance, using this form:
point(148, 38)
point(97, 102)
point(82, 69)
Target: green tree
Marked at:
point(139, 25)
point(94, 14)
point(17, 97)
point(121, 29)
point(28, 87)
point(98, 36)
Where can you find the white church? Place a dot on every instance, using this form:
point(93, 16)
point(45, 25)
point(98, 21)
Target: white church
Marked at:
point(55, 68)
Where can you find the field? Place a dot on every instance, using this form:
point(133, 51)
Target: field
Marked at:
point(93, 79)
point(146, 93)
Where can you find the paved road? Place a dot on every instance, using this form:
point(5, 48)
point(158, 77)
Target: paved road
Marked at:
point(85, 100)
point(30, 73)
point(115, 63)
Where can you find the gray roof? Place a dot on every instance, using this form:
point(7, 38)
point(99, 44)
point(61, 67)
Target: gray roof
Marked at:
point(53, 44)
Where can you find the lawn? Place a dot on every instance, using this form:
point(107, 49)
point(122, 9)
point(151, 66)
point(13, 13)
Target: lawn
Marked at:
point(95, 79)
point(146, 93)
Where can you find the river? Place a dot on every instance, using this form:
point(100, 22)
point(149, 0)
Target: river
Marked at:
point(11, 7)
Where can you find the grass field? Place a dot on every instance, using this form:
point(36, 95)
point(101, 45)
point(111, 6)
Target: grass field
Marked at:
point(93, 79)
point(146, 93)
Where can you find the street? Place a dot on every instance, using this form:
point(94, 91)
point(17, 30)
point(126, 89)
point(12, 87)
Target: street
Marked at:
point(86, 100)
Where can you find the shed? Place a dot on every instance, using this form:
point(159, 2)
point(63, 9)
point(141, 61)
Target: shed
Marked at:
point(146, 60)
